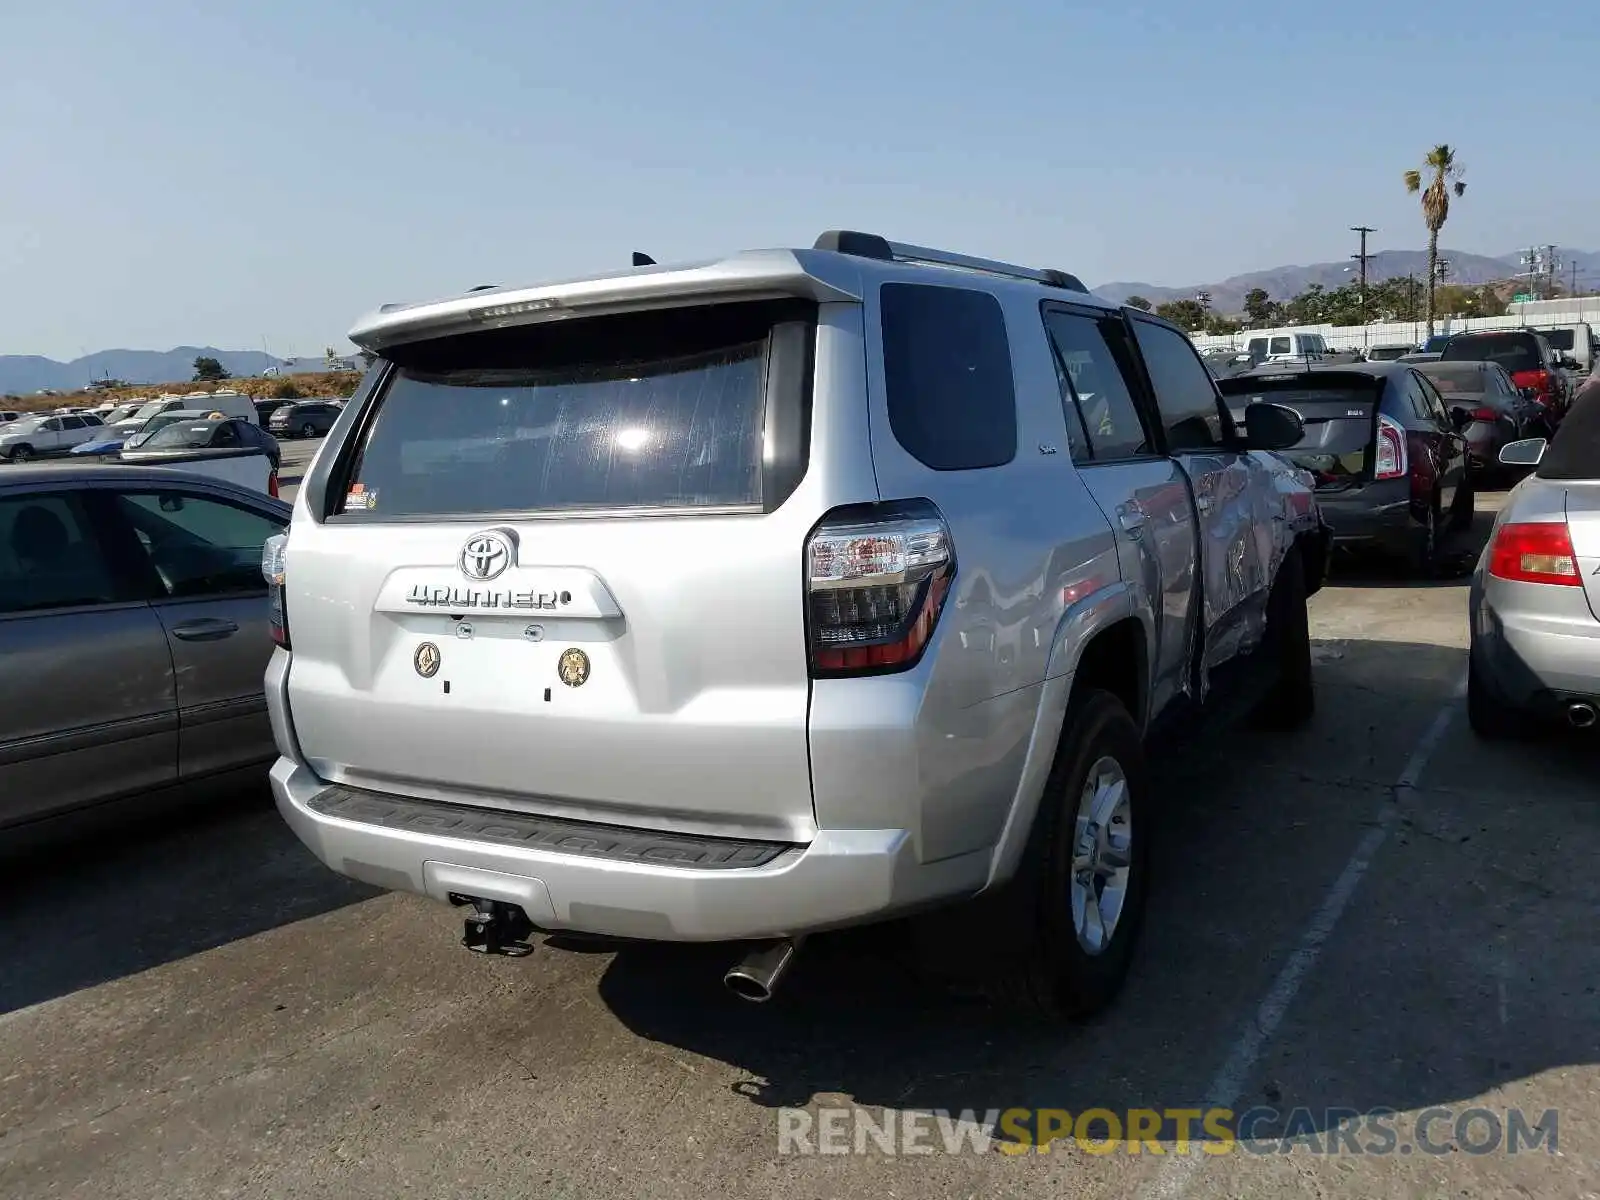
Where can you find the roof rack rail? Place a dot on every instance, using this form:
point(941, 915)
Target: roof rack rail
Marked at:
point(872, 245)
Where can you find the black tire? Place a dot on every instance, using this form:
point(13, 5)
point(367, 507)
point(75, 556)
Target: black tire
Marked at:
point(1465, 505)
point(308, 430)
point(22, 453)
point(1492, 718)
point(1053, 973)
point(1292, 699)
point(1425, 545)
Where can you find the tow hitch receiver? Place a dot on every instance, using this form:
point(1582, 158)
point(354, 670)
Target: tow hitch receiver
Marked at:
point(495, 927)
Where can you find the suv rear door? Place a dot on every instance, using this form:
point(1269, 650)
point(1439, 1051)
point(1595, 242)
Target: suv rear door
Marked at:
point(558, 568)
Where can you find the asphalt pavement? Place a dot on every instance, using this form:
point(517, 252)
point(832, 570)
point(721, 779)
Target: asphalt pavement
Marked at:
point(1376, 913)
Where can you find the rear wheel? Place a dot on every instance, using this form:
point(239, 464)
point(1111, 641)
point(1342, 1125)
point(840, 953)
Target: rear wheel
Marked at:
point(1425, 544)
point(308, 430)
point(1492, 718)
point(1082, 890)
point(1292, 700)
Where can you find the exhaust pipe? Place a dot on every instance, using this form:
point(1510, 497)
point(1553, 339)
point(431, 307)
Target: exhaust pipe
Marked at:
point(1580, 714)
point(757, 975)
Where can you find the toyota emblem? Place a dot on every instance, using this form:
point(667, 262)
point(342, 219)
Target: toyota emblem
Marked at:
point(485, 556)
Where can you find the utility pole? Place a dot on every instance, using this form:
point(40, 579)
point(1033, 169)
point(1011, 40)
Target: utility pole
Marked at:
point(1362, 258)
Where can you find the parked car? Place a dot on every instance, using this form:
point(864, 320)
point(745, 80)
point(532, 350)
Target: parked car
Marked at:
point(1283, 347)
point(304, 418)
point(1527, 357)
point(1535, 642)
point(1436, 343)
point(1388, 460)
point(1419, 356)
point(265, 409)
point(111, 440)
point(239, 451)
point(42, 436)
point(986, 532)
point(133, 628)
point(1387, 353)
point(140, 421)
point(8, 415)
point(1493, 410)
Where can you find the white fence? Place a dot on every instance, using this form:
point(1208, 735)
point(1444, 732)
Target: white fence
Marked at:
point(1545, 314)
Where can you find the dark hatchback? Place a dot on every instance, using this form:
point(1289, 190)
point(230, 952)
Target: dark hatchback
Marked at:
point(1527, 357)
point(1494, 410)
point(1388, 460)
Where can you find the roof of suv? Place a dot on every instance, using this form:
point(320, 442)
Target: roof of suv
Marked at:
point(840, 266)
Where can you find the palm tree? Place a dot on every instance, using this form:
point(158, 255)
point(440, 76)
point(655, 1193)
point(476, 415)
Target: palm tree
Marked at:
point(1445, 178)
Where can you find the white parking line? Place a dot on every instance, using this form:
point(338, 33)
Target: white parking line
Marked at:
point(1230, 1080)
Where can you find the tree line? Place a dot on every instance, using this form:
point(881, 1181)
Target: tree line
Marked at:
point(1401, 299)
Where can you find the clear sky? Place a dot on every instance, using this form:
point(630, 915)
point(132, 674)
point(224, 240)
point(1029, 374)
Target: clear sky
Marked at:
point(235, 172)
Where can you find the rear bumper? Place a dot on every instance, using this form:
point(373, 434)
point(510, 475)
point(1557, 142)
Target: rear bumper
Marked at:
point(1536, 662)
point(600, 879)
point(1378, 513)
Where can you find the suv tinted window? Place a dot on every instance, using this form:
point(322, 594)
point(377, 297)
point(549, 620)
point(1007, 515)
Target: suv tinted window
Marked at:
point(48, 559)
point(1513, 351)
point(664, 409)
point(199, 546)
point(1559, 339)
point(1185, 394)
point(1102, 420)
point(947, 374)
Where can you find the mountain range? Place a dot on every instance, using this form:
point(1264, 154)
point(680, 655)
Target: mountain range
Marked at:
point(1284, 283)
point(24, 374)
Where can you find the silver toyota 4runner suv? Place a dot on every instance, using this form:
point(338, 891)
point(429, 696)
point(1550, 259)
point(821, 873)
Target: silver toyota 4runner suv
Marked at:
point(790, 591)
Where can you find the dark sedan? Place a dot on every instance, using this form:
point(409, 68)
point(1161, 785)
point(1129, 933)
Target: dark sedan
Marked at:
point(1492, 409)
point(1387, 458)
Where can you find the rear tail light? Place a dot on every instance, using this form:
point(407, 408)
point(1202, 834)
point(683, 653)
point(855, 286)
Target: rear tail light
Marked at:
point(1392, 462)
point(1534, 552)
point(874, 591)
point(1539, 380)
point(1484, 414)
point(274, 555)
point(272, 485)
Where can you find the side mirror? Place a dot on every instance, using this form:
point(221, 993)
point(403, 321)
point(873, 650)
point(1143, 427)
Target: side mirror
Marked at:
point(1525, 452)
point(1272, 427)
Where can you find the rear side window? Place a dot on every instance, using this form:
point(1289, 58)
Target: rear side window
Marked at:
point(1185, 394)
point(947, 374)
point(1280, 345)
point(1560, 339)
point(1102, 420)
point(667, 409)
point(1513, 351)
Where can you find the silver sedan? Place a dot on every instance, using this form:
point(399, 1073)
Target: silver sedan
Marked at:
point(1535, 599)
point(133, 633)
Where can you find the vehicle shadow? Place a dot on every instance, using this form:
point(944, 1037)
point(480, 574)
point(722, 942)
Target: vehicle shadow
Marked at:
point(124, 889)
point(1256, 830)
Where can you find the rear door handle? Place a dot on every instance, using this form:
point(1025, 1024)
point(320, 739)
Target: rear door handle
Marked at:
point(205, 629)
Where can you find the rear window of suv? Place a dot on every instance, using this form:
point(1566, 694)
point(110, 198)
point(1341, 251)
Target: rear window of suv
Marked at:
point(1513, 351)
point(947, 376)
point(657, 410)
